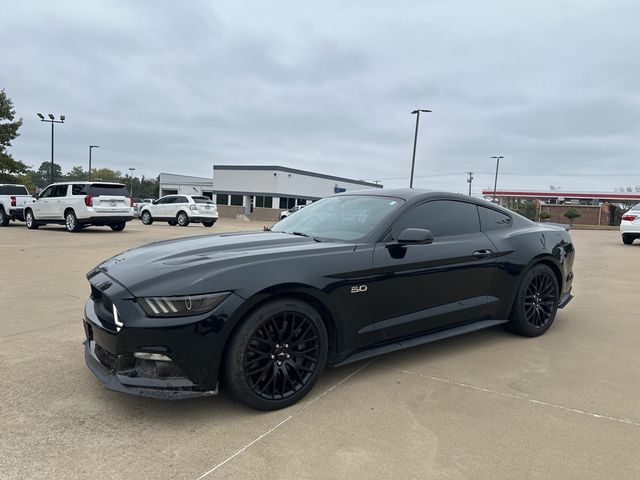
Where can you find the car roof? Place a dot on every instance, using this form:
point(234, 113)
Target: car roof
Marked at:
point(85, 182)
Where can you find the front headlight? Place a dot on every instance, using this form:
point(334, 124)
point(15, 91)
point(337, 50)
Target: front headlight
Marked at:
point(181, 306)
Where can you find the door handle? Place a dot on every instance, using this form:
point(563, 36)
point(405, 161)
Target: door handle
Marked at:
point(482, 253)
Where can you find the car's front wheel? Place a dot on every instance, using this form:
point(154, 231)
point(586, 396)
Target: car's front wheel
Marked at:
point(627, 239)
point(173, 223)
point(30, 220)
point(118, 227)
point(182, 219)
point(276, 355)
point(146, 218)
point(71, 222)
point(536, 302)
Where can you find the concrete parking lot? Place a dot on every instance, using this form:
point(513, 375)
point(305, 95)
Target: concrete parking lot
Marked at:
point(487, 405)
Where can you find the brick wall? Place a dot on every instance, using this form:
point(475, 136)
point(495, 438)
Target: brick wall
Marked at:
point(588, 214)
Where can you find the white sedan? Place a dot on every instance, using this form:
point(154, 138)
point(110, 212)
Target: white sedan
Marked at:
point(630, 225)
point(180, 210)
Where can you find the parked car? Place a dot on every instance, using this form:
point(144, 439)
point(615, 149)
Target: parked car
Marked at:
point(12, 200)
point(286, 213)
point(349, 277)
point(138, 203)
point(80, 204)
point(180, 210)
point(630, 225)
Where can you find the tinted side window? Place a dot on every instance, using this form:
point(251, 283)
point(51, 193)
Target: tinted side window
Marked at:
point(182, 200)
point(78, 189)
point(492, 219)
point(46, 193)
point(59, 191)
point(442, 217)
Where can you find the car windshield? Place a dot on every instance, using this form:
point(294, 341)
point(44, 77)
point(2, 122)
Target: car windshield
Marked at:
point(343, 217)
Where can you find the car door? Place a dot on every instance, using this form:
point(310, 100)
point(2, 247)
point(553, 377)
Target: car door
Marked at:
point(58, 201)
point(41, 207)
point(159, 208)
point(425, 287)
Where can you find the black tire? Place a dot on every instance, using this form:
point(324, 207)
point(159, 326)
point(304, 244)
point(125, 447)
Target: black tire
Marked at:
point(71, 222)
point(281, 341)
point(536, 302)
point(208, 224)
point(182, 219)
point(627, 239)
point(173, 223)
point(4, 218)
point(146, 218)
point(30, 220)
point(118, 227)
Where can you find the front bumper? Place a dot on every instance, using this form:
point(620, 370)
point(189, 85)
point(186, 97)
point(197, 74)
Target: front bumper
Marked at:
point(116, 327)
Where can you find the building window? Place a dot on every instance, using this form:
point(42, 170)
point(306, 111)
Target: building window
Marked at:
point(263, 202)
point(286, 202)
point(222, 199)
point(237, 200)
point(301, 201)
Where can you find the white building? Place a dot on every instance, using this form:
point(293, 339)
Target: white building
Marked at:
point(260, 192)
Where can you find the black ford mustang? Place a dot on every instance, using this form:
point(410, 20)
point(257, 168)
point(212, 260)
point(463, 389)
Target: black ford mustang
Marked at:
point(349, 277)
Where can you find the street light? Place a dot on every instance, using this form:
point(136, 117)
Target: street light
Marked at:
point(415, 141)
point(91, 147)
point(132, 170)
point(469, 180)
point(52, 120)
point(495, 183)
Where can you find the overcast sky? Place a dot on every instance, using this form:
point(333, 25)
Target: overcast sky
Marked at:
point(177, 86)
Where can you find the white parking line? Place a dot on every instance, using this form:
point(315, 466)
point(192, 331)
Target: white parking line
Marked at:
point(275, 427)
point(519, 397)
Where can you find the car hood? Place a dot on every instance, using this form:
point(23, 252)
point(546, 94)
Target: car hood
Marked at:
point(207, 263)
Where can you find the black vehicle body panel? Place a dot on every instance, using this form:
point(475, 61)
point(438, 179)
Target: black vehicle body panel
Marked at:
point(371, 294)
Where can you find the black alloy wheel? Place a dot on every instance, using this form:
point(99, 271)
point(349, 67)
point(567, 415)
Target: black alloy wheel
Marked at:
point(30, 220)
point(536, 302)
point(118, 227)
point(277, 355)
point(146, 218)
point(173, 223)
point(182, 219)
point(208, 224)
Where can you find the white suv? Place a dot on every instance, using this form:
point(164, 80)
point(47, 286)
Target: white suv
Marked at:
point(180, 210)
point(80, 204)
point(630, 225)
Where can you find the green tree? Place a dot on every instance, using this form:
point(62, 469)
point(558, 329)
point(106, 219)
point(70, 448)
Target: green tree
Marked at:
point(106, 175)
point(9, 168)
point(42, 176)
point(76, 173)
point(544, 215)
point(572, 214)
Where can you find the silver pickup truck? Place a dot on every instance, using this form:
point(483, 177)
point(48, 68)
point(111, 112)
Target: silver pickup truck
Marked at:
point(12, 201)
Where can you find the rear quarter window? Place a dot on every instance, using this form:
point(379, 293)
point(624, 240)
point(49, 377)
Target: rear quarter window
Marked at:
point(13, 190)
point(202, 200)
point(492, 219)
point(108, 189)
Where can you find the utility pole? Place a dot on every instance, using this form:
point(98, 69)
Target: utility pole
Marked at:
point(90, 148)
point(495, 183)
point(52, 120)
point(469, 180)
point(132, 170)
point(415, 141)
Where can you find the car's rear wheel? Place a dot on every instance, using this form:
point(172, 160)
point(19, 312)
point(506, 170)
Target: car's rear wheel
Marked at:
point(276, 355)
point(182, 219)
point(30, 220)
point(4, 218)
point(208, 224)
point(118, 227)
point(536, 302)
point(146, 218)
point(627, 239)
point(71, 222)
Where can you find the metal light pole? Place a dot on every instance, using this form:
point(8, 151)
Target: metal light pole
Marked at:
point(415, 141)
point(469, 180)
point(495, 183)
point(91, 147)
point(52, 120)
point(132, 170)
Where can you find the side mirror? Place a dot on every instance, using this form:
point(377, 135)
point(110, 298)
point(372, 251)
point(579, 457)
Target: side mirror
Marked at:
point(154, 202)
point(34, 195)
point(415, 236)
